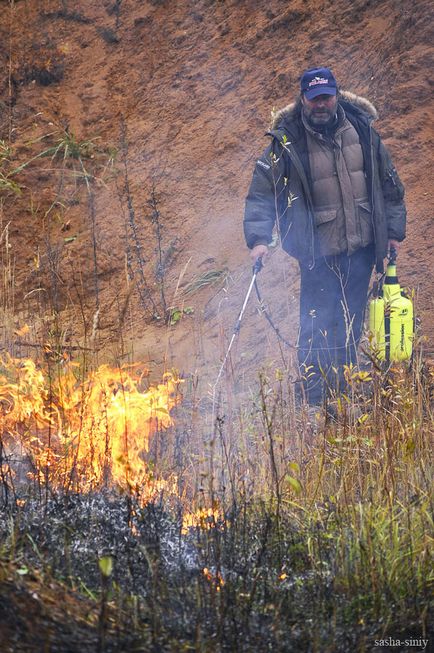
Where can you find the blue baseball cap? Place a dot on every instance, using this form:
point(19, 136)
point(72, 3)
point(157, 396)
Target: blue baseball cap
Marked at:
point(318, 81)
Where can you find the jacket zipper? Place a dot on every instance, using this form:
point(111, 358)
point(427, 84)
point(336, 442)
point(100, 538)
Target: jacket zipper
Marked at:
point(371, 151)
point(299, 167)
point(392, 177)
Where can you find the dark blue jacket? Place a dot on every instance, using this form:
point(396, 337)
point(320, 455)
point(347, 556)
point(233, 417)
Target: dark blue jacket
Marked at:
point(280, 192)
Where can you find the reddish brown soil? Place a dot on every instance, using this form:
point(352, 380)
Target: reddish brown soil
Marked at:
point(193, 84)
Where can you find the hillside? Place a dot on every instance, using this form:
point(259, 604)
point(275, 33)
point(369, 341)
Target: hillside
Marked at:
point(151, 115)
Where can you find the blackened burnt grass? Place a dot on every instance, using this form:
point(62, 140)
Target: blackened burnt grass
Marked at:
point(296, 541)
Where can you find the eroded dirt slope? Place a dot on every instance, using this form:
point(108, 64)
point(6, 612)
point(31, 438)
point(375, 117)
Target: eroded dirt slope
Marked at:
point(175, 98)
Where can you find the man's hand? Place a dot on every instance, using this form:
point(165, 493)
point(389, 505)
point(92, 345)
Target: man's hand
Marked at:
point(259, 251)
point(393, 243)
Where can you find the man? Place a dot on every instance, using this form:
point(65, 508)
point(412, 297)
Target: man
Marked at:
point(328, 185)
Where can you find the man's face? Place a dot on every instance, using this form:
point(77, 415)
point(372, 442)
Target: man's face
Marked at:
point(321, 110)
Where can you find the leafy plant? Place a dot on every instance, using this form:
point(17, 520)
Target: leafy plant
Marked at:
point(176, 313)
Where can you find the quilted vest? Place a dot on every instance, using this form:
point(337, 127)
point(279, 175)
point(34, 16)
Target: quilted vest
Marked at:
point(342, 211)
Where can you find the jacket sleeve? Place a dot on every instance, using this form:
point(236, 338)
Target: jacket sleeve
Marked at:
point(260, 209)
point(393, 193)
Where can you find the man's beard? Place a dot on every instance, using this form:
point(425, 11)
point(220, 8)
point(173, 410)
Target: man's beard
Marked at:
point(321, 120)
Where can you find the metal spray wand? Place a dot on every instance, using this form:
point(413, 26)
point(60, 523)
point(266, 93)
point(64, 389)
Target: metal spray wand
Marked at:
point(256, 269)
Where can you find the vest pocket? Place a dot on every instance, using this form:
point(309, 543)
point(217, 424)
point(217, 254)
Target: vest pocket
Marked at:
point(364, 219)
point(321, 217)
point(327, 231)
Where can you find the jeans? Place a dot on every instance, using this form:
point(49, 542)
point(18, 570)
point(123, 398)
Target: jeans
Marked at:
point(333, 300)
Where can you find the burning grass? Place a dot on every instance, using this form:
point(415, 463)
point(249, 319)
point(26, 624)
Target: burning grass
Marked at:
point(292, 539)
point(79, 434)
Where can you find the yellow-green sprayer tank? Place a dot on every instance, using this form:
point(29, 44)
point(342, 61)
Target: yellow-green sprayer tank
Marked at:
point(391, 320)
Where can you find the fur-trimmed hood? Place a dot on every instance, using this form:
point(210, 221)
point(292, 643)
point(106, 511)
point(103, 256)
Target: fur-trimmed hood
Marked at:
point(290, 111)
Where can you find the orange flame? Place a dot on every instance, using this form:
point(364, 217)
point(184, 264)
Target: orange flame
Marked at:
point(204, 518)
point(82, 434)
point(216, 579)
